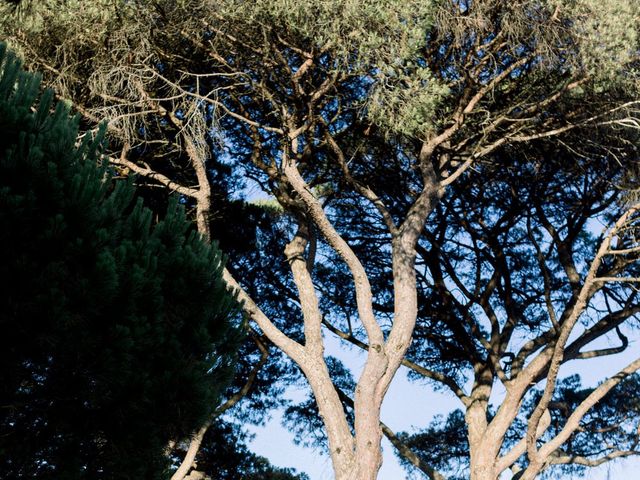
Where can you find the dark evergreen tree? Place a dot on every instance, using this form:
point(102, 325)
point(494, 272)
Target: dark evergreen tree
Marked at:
point(377, 147)
point(118, 335)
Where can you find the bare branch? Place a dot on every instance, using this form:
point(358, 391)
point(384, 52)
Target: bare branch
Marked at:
point(273, 333)
point(361, 281)
point(147, 172)
point(573, 422)
point(567, 326)
point(309, 304)
point(560, 459)
point(425, 372)
point(410, 455)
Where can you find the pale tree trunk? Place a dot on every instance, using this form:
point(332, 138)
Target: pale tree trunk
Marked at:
point(482, 453)
point(368, 431)
point(203, 210)
point(313, 364)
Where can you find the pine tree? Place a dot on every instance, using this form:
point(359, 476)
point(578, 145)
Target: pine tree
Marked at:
point(118, 334)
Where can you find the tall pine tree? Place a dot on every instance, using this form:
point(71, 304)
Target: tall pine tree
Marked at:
point(118, 334)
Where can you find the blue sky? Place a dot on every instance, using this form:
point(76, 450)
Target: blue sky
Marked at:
point(409, 405)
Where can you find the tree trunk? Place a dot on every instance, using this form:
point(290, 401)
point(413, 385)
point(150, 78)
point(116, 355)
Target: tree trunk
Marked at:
point(483, 449)
point(368, 436)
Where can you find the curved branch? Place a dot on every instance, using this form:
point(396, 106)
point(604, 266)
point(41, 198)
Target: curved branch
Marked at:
point(555, 361)
point(147, 172)
point(605, 351)
point(425, 372)
point(196, 440)
point(364, 295)
point(602, 327)
point(273, 333)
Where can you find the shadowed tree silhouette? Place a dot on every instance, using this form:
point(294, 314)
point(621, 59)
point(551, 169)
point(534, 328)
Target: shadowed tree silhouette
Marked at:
point(118, 334)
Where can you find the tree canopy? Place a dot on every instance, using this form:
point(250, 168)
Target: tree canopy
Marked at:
point(445, 191)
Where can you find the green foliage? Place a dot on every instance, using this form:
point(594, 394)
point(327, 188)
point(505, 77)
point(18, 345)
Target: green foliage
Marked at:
point(36, 15)
point(371, 38)
point(392, 44)
point(356, 32)
point(117, 333)
point(607, 33)
point(385, 41)
point(406, 100)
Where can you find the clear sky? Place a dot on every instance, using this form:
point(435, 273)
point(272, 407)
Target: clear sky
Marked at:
point(409, 404)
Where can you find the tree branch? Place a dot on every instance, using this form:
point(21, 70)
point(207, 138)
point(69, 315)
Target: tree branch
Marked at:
point(425, 372)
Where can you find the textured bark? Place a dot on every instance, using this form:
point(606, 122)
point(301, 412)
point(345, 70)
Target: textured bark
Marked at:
point(483, 450)
point(358, 456)
point(314, 365)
